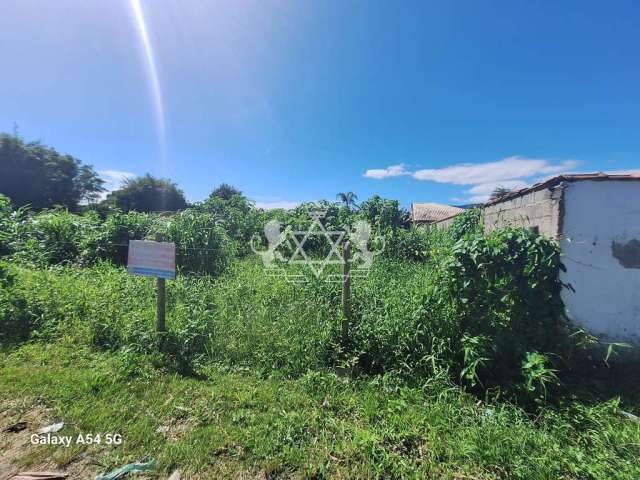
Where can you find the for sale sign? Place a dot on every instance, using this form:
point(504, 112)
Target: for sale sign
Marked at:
point(152, 259)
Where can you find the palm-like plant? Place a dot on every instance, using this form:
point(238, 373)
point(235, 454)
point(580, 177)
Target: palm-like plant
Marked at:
point(499, 192)
point(348, 199)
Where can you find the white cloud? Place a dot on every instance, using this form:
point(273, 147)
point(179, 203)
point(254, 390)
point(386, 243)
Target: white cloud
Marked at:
point(488, 188)
point(392, 171)
point(270, 205)
point(507, 169)
point(113, 179)
point(513, 172)
point(477, 199)
point(480, 193)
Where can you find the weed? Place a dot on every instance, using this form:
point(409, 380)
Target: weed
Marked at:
point(230, 424)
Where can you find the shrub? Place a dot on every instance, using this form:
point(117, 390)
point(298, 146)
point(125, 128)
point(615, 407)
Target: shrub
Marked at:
point(487, 310)
point(505, 287)
point(415, 244)
point(110, 241)
point(54, 237)
point(411, 245)
point(51, 237)
point(383, 214)
point(301, 218)
point(235, 214)
point(469, 221)
point(202, 245)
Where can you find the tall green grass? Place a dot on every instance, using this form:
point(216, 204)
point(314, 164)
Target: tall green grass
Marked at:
point(244, 318)
point(484, 309)
point(409, 319)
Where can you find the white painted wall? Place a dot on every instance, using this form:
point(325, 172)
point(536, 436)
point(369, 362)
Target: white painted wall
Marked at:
point(607, 297)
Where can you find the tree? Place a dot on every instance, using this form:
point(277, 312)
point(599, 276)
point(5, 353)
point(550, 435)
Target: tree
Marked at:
point(37, 175)
point(225, 191)
point(235, 213)
point(499, 192)
point(89, 186)
point(383, 214)
point(348, 199)
point(148, 194)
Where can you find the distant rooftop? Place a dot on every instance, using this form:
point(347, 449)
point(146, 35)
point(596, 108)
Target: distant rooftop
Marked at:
point(551, 182)
point(432, 212)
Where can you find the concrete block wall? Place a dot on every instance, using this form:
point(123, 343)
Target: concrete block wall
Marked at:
point(540, 208)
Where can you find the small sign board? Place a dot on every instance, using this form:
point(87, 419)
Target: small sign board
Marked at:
point(152, 259)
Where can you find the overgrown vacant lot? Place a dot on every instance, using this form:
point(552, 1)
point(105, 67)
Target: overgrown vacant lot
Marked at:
point(458, 362)
point(251, 383)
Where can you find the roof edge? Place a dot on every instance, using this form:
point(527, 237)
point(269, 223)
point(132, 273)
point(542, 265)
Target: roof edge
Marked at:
point(552, 182)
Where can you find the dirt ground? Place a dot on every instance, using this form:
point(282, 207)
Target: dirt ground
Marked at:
point(17, 454)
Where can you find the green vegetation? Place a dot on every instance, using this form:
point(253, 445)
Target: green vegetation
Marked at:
point(147, 194)
point(459, 362)
point(36, 175)
point(5, 224)
point(230, 423)
point(348, 199)
point(486, 309)
point(225, 191)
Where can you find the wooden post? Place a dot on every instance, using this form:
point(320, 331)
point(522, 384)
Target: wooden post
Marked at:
point(346, 290)
point(161, 306)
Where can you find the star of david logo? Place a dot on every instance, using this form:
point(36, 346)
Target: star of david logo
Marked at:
point(318, 230)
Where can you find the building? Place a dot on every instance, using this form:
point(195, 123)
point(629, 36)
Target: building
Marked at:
point(428, 213)
point(596, 220)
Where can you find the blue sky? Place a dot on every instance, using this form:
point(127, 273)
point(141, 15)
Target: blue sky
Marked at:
point(297, 100)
